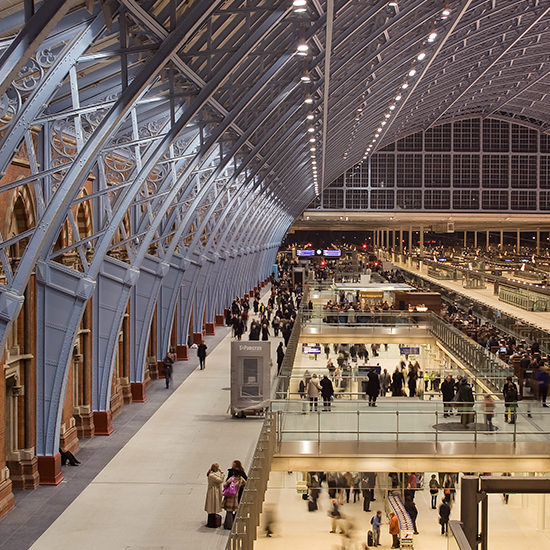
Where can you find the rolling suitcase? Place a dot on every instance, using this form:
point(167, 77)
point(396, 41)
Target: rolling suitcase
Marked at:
point(214, 520)
point(311, 506)
point(370, 538)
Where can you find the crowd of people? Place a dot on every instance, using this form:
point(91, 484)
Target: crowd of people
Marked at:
point(343, 488)
point(534, 371)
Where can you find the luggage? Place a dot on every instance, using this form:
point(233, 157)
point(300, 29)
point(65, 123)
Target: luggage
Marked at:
point(311, 506)
point(214, 520)
point(304, 496)
point(370, 538)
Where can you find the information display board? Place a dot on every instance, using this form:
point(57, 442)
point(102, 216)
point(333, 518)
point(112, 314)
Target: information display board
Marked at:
point(305, 252)
point(331, 253)
point(311, 349)
point(250, 377)
point(407, 350)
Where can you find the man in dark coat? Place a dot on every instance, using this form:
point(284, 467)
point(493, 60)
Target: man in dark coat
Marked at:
point(448, 393)
point(201, 354)
point(327, 391)
point(373, 387)
point(280, 357)
point(464, 399)
point(397, 383)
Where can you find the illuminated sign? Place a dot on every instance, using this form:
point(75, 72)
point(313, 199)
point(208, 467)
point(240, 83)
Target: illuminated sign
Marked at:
point(311, 349)
point(442, 260)
point(305, 252)
point(332, 253)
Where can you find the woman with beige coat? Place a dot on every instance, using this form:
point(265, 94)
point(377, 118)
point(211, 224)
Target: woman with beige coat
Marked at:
point(213, 504)
point(313, 391)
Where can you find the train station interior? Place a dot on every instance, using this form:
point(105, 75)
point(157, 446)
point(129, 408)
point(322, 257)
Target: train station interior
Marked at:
point(274, 274)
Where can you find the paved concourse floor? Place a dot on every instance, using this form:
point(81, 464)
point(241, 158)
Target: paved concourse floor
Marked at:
point(150, 494)
point(512, 525)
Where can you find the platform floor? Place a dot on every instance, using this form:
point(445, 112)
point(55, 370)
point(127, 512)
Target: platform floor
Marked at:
point(144, 487)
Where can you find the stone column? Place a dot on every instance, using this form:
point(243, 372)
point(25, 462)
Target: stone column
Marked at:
point(421, 239)
point(465, 237)
point(501, 239)
point(518, 241)
point(401, 240)
point(538, 242)
point(475, 238)
point(487, 239)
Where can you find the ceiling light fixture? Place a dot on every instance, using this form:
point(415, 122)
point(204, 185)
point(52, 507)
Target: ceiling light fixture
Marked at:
point(305, 78)
point(432, 37)
point(404, 85)
point(311, 129)
point(308, 100)
point(398, 97)
point(310, 116)
point(421, 56)
point(302, 48)
point(412, 72)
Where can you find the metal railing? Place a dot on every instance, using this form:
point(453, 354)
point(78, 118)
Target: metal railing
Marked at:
point(244, 530)
point(484, 364)
point(296, 421)
point(283, 379)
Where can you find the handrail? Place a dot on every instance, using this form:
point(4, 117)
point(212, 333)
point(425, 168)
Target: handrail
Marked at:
point(310, 425)
point(283, 379)
point(247, 519)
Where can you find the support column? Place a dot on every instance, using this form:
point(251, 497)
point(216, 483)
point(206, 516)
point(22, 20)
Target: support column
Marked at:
point(518, 241)
point(421, 239)
point(465, 237)
point(487, 239)
point(475, 238)
point(401, 240)
point(501, 239)
point(538, 242)
point(410, 239)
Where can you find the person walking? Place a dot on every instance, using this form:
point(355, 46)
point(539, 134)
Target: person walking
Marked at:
point(280, 357)
point(510, 393)
point(373, 387)
point(213, 504)
point(543, 380)
point(489, 411)
point(336, 517)
point(201, 354)
point(412, 510)
point(313, 389)
point(327, 391)
point(167, 363)
point(464, 400)
point(397, 383)
point(448, 394)
point(434, 490)
point(394, 530)
point(444, 514)
point(385, 382)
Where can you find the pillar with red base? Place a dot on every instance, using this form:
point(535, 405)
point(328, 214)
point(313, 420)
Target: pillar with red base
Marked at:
point(49, 469)
point(182, 353)
point(210, 329)
point(103, 423)
point(197, 338)
point(219, 320)
point(138, 392)
point(160, 369)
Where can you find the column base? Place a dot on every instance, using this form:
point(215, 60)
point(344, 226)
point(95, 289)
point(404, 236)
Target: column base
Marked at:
point(197, 338)
point(182, 353)
point(68, 440)
point(7, 500)
point(49, 468)
point(138, 392)
point(103, 423)
point(116, 401)
point(219, 320)
point(210, 329)
point(23, 474)
point(85, 424)
point(126, 390)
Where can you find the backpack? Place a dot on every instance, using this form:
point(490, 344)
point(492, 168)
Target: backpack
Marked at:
point(511, 394)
